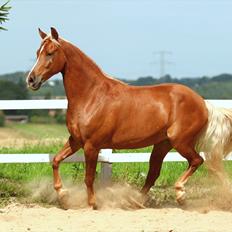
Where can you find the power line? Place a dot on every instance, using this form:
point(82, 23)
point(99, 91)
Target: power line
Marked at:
point(163, 62)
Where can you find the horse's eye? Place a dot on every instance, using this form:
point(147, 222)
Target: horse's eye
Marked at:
point(49, 54)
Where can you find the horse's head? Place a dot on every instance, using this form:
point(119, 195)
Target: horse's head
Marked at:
point(50, 60)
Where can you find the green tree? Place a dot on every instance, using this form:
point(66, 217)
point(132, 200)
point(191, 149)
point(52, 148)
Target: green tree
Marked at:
point(4, 11)
point(11, 91)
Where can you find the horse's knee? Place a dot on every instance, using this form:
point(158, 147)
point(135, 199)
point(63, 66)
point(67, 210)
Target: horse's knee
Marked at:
point(55, 163)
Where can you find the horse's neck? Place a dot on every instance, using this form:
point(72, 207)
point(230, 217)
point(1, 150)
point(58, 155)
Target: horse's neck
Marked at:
point(81, 75)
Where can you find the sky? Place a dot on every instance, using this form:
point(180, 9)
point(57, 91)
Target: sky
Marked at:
point(124, 36)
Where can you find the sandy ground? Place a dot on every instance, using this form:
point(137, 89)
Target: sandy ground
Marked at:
point(17, 218)
point(117, 212)
point(210, 211)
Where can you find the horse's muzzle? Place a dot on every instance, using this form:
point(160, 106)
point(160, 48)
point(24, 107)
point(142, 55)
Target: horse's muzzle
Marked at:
point(33, 82)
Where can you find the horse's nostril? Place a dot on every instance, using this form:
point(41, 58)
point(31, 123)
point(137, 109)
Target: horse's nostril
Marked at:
point(31, 79)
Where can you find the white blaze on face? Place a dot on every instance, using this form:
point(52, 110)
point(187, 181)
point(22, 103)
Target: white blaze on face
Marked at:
point(37, 60)
point(41, 50)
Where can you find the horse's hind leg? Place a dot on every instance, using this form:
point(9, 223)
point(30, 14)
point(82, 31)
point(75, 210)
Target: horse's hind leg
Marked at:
point(158, 153)
point(194, 160)
point(182, 135)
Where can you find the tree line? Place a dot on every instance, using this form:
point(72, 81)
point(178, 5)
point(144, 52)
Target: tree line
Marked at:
point(13, 86)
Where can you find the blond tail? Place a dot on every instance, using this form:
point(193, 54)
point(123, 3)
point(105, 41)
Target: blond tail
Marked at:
point(215, 141)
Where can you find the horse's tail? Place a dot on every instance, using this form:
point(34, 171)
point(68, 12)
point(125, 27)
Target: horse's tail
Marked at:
point(215, 139)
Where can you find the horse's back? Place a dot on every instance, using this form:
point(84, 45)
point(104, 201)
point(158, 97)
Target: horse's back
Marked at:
point(175, 98)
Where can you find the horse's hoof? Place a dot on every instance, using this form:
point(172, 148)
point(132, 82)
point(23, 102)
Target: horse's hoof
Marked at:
point(144, 199)
point(180, 197)
point(181, 201)
point(63, 198)
point(95, 207)
point(136, 204)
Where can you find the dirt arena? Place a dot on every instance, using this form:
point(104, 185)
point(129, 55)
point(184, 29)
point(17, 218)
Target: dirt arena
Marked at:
point(21, 218)
point(117, 212)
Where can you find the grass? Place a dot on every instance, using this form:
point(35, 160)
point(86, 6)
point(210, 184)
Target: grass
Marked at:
point(15, 179)
point(39, 131)
point(32, 138)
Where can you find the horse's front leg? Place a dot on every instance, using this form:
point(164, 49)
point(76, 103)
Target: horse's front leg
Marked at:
point(69, 148)
point(91, 156)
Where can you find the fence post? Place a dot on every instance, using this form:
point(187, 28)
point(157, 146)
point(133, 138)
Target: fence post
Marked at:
point(106, 167)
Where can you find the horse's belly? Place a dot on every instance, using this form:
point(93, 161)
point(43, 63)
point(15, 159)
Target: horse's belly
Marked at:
point(139, 142)
point(136, 136)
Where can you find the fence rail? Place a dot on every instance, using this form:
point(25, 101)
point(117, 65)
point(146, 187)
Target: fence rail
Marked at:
point(106, 157)
point(62, 104)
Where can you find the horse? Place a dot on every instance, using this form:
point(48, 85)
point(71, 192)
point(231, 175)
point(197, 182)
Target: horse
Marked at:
point(105, 113)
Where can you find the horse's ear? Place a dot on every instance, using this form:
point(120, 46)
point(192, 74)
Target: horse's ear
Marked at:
point(42, 34)
point(54, 33)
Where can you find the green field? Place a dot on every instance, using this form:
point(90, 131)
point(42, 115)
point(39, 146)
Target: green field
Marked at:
point(37, 138)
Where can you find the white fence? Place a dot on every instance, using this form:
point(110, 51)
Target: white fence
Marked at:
point(106, 157)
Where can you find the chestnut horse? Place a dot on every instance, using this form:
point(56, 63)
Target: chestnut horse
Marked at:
point(107, 113)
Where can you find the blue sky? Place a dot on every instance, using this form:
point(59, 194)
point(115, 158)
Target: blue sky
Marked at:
point(122, 36)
